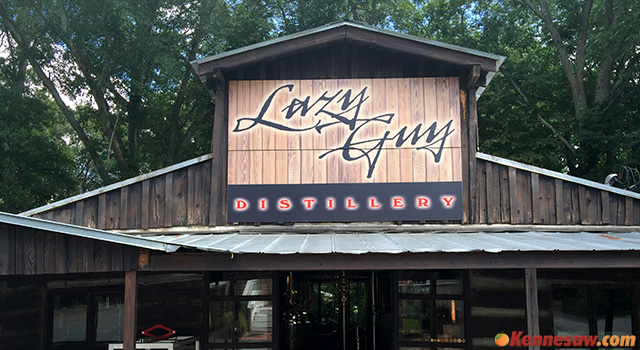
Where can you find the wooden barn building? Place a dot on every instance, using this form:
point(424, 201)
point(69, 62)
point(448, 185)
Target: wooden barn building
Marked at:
point(344, 205)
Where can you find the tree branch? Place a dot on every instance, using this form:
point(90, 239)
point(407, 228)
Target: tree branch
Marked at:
point(577, 87)
point(374, 4)
point(190, 130)
point(581, 45)
point(198, 34)
point(538, 115)
point(604, 88)
point(354, 10)
point(26, 50)
point(96, 91)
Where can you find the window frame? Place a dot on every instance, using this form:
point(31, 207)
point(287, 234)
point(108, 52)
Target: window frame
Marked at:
point(91, 317)
point(592, 312)
point(433, 297)
point(244, 275)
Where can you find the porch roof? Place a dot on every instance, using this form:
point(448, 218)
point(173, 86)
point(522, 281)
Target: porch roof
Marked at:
point(408, 242)
point(380, 239)
point(85, 232)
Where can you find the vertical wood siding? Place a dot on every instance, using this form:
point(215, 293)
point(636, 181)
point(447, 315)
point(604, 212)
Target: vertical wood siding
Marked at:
point(25, 251)
point(22, 315)
point(505, 196)
point(513, 196)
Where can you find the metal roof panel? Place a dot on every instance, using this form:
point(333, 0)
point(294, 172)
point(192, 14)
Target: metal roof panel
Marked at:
point(349, 243)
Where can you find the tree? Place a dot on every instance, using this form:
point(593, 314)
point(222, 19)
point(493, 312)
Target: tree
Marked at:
point(36, 165)
point(131, 63)
point(597, 46)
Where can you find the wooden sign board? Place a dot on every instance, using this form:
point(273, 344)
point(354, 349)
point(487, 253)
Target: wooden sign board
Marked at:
point(349, 131)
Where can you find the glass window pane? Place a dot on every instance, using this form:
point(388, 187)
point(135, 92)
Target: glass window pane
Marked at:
point(220, 288)
point(256, 286)
point(415, 320)
point(570, 311)
point(614, 311)
point(243, 322)
point(222, 322)
point(449, 283)
point(450, 320)
point(255, 321)
point(110, 317)
point(414, 282)
point(69, 317)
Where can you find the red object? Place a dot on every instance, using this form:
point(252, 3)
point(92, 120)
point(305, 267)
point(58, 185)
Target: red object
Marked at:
point(152, 332)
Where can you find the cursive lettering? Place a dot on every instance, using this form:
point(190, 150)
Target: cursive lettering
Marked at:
point(344, 108)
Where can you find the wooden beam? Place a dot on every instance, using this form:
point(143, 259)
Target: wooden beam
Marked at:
point(268, 52)
point(535, 198)
point(423, 50)
point(407, 261)
point(532, 311)
point(378, 227)
point(130, 309)
point(474, 76)
point(219, 147)
point(473, 148)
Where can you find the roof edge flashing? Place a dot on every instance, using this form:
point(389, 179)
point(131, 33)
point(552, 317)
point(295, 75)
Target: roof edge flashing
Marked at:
point(85, 232)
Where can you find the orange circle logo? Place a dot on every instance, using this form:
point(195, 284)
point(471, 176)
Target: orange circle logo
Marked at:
point(502, 339)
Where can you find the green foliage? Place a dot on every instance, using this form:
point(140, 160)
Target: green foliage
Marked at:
point(36, 165)
point(126, 64)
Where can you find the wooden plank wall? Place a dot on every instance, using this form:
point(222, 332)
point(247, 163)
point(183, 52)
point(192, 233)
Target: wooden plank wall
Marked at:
point(25, 251)
point(22, 315)
point(497, 303)
point(179, 198)
point(512, 196)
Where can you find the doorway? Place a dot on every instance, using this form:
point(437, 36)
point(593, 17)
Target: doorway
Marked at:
point(335, 310)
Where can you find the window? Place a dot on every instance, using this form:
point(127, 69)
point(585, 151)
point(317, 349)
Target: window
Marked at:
point(431, 309)
point(86, 317)
point(241, 310)
point(70, 317)
point(591, 311)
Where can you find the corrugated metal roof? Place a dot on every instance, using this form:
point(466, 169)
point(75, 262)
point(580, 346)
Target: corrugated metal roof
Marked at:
point(395, 243)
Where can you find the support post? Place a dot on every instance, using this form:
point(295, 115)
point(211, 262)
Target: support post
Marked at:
point(218, 199)
point(473, 148)
point(531, 288)
point(130, 314)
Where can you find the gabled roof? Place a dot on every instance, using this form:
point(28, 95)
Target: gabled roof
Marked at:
point(350, 32)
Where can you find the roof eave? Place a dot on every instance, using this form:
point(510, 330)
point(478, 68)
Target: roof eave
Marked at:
point(85, 232)
point(343, 30)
